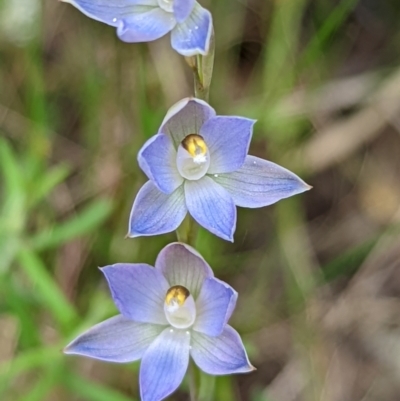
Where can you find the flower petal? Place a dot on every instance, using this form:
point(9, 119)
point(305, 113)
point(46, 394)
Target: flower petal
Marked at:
point(186, 117)
point(154, 212)
point(164, 365)
point(193, 36)
point(182, 9)
point(138, 291)
point(228, 140)
point(117, 339)
point(157, 159)
point(183, 265)
point(220, 355)
point(214, 307)
point(260, 183)
point(145, 26)
point(111, 12)
point(211, 206)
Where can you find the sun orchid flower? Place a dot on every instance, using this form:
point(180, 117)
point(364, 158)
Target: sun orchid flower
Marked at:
point(198, 163)
point(168, 313)
point(146, 20)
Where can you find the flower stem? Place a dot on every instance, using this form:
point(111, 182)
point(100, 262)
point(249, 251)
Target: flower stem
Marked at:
point(202, 67)
point(192, 381)
point(187, 232)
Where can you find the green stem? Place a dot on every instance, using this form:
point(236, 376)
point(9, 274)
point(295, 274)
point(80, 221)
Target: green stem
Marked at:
point(202, 67)
point(187, 231)
point(192, 382)
point(201, 385)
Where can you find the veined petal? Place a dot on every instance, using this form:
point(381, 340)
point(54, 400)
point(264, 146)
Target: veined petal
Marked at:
point(211, 206)
point(117, 339)
point(214, 307)
point(164, 364)
point(182, 9)
point(260, 183)
point(155, 212)
point(220, 355)
point(157, 159)
point(138, 291)
point(145, 26)
point(183, 265)
point(193, 36)
point(111, 12)
point(186, 117)
point(228, 140)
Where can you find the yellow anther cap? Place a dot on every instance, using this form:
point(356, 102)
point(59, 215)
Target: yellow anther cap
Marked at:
point(177, 294)
point(195, 145)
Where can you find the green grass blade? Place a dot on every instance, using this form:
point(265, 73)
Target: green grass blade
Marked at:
point(14, 188)
point(44, 385)
point(335, 20)
point(92, 391)
point(46, 288)
point(83, 223)
point(47, 183)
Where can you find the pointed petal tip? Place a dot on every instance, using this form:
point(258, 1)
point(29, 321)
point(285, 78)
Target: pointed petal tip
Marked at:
point(249, 368)
point(67, 350)
point(130, 234)
point(103, 269)
point(305, 186)
point(220, 234)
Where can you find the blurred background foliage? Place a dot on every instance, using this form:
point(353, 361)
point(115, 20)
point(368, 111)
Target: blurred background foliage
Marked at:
point(318, 275)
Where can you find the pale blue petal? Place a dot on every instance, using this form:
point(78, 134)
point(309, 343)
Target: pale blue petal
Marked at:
point(117, 339)
point(145, 26)
point(260, 183)
point(138, 291)
point(186, 117)
point(182, 9)
point(112, 11)
point(228, 139)
point(193, 36)
point(164, 365)
point(154, 212)
point(183, 265)
point(222, 355)
point(211, 206)
point(157, 159)
point(214, 307)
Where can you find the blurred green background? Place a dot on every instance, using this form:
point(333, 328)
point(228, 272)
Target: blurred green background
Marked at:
point(318, 275)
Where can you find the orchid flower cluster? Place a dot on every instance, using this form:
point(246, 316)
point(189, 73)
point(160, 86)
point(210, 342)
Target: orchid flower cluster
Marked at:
point(198, 168)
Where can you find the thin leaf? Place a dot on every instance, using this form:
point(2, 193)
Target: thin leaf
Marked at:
point(48, 182)
point(14, 189)
point(92, 391)
point(85, 222)
point(47, 289)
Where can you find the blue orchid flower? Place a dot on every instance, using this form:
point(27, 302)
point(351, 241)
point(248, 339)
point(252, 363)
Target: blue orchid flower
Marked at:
point(146, 20)
point(198, 163)
point(168, 313)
